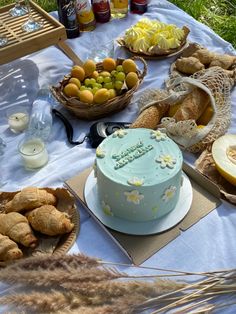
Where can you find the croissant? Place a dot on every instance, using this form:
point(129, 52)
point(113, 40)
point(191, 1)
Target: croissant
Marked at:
point(9, 249)
point(17, 228)
point(50, 221)
point(30, 198)
point(204, 56)
point(223, 61)
point(189, 65)
point(193, 105)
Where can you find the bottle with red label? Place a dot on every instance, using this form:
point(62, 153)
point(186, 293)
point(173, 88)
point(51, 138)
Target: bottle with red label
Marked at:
point(138, 6)
point(102, 11)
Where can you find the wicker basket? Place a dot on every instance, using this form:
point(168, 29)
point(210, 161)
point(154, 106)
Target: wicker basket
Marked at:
point(96, 111)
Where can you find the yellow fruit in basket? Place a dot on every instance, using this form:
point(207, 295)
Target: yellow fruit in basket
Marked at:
point(112, 93)
point(206, 116)
point(105, 73)
point(86, 96)
point(224, 155)
point(75, 81)
point(95, 75)
point(129, 66)
point(89, 67)
point(101, 96)
point(109, 64)
point(131, 79)
point(173, 109)
point(78, 72)
point(71, 90)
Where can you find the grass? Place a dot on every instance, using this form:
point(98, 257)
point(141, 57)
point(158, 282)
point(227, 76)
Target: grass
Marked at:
point(220, 15)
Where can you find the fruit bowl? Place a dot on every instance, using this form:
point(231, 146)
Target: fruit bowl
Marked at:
point(91, 111)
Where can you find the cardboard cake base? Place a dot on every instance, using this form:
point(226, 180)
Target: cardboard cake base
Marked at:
point(139, 248)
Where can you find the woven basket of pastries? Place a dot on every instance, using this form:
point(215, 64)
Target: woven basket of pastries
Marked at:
point(153, 39)
point(93, 91)
point(36, 221)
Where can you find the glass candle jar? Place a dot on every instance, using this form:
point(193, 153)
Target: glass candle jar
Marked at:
point(33, 153)
point(18, 119)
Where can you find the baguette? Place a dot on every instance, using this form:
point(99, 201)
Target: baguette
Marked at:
point(192, 106)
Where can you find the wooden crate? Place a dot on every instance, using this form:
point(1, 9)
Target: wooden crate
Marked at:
point(21, 43)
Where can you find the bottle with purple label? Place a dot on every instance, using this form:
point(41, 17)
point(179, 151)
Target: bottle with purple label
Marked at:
point(138, 6)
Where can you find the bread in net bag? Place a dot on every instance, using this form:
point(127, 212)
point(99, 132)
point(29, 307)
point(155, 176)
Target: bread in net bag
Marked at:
point(210, 86)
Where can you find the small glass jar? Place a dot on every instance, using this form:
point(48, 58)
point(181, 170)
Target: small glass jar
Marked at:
point(18, 119)
point(33, 153)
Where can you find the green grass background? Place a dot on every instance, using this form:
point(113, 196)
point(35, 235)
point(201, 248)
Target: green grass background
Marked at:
point(220, 15)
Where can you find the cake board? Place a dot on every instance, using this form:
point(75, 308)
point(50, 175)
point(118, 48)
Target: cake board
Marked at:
point(139, 248)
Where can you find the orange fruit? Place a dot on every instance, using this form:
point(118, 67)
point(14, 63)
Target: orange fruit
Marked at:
point(109, 64)
point(86, 96)
point(78, 72)
point(95, 75)
point(112, 93)
point(101, 96)
point(71, 90)
point(75, 81)
point(131, 79)
point(129, 66)
point(89, 67)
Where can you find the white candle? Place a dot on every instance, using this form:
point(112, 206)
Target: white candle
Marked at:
point(33, 153)
point(18, 121)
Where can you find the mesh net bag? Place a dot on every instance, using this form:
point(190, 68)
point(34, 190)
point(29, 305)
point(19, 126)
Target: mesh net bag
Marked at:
point(214, 81)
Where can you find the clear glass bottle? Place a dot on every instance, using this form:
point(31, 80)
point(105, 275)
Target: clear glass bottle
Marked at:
point(40, 124)
point(119, 8)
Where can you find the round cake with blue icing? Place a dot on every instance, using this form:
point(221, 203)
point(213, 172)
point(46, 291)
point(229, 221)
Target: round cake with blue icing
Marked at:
point(138, 174)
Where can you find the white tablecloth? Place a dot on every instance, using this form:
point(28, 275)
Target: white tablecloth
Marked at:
point(209, 244)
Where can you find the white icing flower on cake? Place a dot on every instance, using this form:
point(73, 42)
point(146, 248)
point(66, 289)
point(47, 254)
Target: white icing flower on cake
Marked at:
point(169, 193)
point(136, 181)
point(166, 161)
point(158, 135)
point(107, 209)
point(134, 197)
point(100, 153)
point(119, 133)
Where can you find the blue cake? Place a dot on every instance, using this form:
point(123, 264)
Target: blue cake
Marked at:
point(138, 174)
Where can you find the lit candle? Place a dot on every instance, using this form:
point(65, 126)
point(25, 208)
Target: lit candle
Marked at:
point(33, 153)
point(18, 121)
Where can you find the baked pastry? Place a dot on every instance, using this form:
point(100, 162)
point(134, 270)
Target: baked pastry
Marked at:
point(17, 228)
point(9, 249)
point(49, 220)
point(30, 198)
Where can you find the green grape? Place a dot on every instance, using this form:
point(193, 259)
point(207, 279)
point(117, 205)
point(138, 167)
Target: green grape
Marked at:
point(99, 85)
point(113, 73)
point(119, 68)
point(107, 79)
point(100, 79)
point(108, 85)
point(89, 88)
point(92, 81)
point(118, 85)
point(82, 87)
point(120, 76)
point(87, 82)
point(95, 89)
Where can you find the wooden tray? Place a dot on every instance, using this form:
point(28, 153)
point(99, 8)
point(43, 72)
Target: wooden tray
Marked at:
point(21, 43)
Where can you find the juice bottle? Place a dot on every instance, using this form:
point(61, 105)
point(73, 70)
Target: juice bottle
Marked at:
point(119, 8)
point(101, 9)
point(85, 15)
point(138, 6)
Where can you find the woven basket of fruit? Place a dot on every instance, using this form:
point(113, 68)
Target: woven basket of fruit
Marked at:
point(93, 91)
point(152, 39)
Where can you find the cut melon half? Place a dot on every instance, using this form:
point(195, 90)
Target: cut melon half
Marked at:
point(224, 155)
